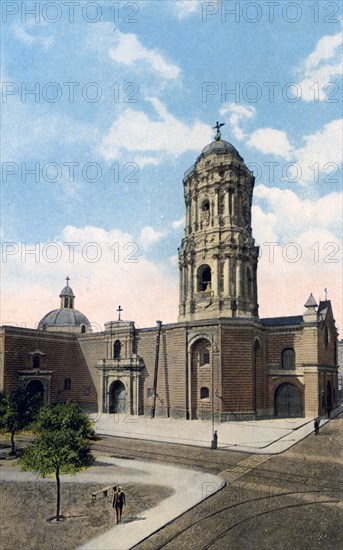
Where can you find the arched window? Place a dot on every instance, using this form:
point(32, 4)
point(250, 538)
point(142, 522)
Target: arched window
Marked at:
point(204, 278)
point(44, 326)
point(204, 393)
point(288, 359)
point(205, 207)
point(326, 337)
point(36, 362)
point(83, 329)
point(67, 384)
point(116, 349)
point(66, 302)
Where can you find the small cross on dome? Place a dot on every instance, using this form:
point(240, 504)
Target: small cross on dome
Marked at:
point(120, 309)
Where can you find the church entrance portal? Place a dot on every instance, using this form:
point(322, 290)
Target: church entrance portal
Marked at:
point(287, 402)
point(117, 402)
point(35, 387)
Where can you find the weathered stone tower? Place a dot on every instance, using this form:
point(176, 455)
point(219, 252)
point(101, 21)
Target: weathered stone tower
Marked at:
point(218, 257)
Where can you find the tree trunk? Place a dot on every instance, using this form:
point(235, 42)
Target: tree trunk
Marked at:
point(12, 443)
point(58, 482)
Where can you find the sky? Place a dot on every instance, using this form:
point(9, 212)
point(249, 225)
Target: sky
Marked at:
point(105, 105)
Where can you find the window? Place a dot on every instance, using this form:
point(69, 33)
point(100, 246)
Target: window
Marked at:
point(65, 302)
point(116, 349)
point(204, 357)
point(204, 277)
point(36, 362)
point(204, 393)
point(205, 207)
point(326, 337)
point(288, 359)
point(83, 329)
point(67, 384)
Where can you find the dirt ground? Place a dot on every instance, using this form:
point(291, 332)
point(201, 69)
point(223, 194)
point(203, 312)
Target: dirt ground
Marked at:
point(25, 507)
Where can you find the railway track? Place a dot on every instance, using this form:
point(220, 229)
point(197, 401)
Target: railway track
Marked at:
point(225, 467)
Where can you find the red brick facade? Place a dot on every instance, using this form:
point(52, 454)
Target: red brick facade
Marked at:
point(232, 369)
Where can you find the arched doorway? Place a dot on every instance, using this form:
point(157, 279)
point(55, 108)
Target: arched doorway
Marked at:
point(328, 397)
point(117, 397)
point(35, 387)
point(287, 401)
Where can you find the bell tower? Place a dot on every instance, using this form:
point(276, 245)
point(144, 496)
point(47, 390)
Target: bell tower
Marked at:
point(218, 257)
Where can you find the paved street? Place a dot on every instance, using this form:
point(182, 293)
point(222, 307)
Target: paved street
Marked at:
point(292, 500)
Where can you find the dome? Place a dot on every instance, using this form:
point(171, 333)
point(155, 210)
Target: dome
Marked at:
point(64, 317)
point(67, 291)
point(220, 148)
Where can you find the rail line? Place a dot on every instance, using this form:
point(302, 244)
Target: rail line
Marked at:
point(264, 473)
point(237, 504)
point(225, 532)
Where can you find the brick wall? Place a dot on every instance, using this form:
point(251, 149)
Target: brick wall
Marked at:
point(171, 381)
point(237, 365)
point(61, 354)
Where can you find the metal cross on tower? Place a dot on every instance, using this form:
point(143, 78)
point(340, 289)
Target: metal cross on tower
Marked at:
point(67, 279)
point(120, 309)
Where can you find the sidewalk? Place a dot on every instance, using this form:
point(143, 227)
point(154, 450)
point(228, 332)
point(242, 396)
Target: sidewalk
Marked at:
point(271, 436)
point(191, 487)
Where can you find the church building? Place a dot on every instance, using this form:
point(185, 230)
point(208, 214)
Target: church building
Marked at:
point(219, 359)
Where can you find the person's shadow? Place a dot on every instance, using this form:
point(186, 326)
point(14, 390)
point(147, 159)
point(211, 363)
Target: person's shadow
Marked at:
point(130, 519)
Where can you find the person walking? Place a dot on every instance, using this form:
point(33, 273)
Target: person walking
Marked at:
point(316, 426)
point(119, 500)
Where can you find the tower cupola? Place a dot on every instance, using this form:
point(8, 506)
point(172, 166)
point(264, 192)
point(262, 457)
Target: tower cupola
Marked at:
point(67, 296)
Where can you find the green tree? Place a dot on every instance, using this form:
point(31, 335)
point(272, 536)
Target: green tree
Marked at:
point(61, 446)
point(17, 412)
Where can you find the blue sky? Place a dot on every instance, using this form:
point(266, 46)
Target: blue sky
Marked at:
point(148, 86)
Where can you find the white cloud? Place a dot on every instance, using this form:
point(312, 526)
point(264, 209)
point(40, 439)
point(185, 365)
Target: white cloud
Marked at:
point(271, 141)
point(21, 33)
point(185, 8)
point(237, 113)
point(174, 260)
point(143, 161)
point(318, 153)
point(149, 236)
point(322, 66)
point(295, 215)
point(306, 255)
point(120, 274)
point(320, 148)
point(135, 131)
point(130, 51)
point(179, 223)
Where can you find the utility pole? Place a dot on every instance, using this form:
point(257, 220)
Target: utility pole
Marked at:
point(157, 353)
